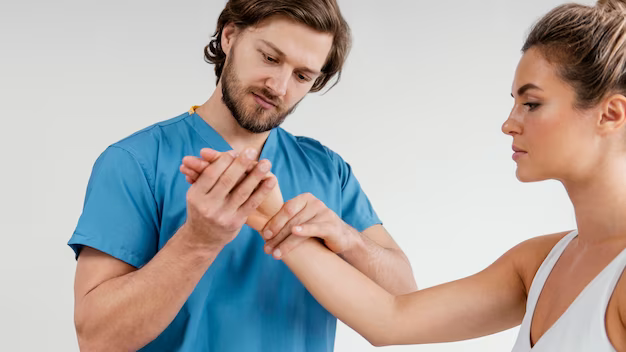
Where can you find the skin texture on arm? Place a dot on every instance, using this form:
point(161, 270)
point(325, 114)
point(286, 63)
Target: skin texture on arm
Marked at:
point(378, 256)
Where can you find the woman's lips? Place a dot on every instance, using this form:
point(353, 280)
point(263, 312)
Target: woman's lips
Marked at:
point(518, 153)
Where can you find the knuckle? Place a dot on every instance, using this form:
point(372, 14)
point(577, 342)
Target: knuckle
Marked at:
point(243, 162)
point(226, 181)
point(226, 158)
point(211, 173)
point(240, 196)
point(281, 234)
point(221, 220)
point(254, 202)
point(291, 207)
point(232, 224)
point(318, 204)
point(258, 174)
point(292, 222)
point(275, 227)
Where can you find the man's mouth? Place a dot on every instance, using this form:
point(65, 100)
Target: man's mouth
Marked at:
point(263, 101)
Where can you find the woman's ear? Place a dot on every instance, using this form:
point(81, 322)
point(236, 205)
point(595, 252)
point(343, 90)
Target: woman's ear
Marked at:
point(613, 114)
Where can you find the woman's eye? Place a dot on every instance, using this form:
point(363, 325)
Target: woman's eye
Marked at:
point(532, 106)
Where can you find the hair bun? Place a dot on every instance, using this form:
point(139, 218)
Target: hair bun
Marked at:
point(612, 5)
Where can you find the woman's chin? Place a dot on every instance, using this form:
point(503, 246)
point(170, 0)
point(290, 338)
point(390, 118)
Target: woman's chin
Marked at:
point(526, 176)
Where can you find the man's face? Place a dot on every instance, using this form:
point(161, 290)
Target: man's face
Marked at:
point(269, 68)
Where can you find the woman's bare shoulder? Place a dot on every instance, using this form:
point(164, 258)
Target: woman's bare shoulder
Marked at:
point(528, 255)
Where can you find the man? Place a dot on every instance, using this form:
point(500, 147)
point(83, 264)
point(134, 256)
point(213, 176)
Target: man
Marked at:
point(163, 266)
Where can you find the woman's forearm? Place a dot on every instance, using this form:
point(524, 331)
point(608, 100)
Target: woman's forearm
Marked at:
point(488, 302)
point(344, 291)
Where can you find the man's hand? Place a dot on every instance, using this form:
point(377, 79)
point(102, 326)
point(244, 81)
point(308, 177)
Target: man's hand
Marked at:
point(193, 167)
point(306, 216)
point(222, 197)
point(288, 226)
point(372, 252)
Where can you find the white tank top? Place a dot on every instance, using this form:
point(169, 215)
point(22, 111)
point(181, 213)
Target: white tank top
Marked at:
point(582, 325)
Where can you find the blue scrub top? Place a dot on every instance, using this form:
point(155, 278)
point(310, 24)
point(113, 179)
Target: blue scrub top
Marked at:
point(246, 301)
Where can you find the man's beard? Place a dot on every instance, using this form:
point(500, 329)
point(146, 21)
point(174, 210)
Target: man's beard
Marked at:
point(257, 120)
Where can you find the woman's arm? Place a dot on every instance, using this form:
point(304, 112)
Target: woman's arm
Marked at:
point(490, 301)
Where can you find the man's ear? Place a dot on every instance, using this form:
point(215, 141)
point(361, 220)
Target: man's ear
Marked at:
point(229, 33)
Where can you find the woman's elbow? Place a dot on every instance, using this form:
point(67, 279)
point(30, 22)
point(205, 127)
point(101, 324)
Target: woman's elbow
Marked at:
point(378, 342)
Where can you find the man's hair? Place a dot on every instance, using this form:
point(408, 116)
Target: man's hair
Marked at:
point(320, 15)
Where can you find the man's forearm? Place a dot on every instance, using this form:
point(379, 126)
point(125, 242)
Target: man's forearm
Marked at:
point(127, 312)
point(388, 267)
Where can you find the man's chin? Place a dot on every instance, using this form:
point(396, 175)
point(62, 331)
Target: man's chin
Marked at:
point(256, 127)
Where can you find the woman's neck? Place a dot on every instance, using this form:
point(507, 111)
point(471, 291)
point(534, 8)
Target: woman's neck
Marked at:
point(600, 203)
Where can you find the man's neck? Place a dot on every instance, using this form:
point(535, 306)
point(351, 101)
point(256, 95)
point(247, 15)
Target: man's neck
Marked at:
point(219, 117)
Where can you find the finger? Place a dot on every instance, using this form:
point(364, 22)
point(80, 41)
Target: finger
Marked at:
point(310, 230)
point(209, 177)
point(242, 192)
point(191, 174)
point(305, 215)
point(257, 197)
point(210, 155)
point(248, 170)
point(287, 246)
point(278, 221)
point(196, 164)
point(228, 180)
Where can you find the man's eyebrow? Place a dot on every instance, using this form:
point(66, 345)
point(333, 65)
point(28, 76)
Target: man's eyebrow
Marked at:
point(273, 47)
point(281, 54)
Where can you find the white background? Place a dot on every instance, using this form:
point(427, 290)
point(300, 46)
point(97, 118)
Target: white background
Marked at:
point(417, 115)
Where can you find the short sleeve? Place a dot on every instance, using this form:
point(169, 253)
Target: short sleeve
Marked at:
point(356, 209)
point(120, 215)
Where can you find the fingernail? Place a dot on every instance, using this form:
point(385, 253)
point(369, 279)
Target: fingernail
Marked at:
point(277, 253)
point(264, 167)
point(267, 249)
point(250, 153)
point(297, 228)
point(267, 234)
point(233, 153)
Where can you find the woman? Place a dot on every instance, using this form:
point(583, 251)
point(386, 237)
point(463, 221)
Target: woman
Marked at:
point(568, 123)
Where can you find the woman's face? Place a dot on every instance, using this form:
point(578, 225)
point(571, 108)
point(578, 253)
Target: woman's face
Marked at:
point(553, 139)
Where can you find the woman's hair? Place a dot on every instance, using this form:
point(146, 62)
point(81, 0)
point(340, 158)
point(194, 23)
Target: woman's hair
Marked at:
point(320, 15)
point(587, 45)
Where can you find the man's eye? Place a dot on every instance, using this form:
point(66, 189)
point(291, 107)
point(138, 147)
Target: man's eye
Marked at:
point(270, 59)
point(302, 77)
